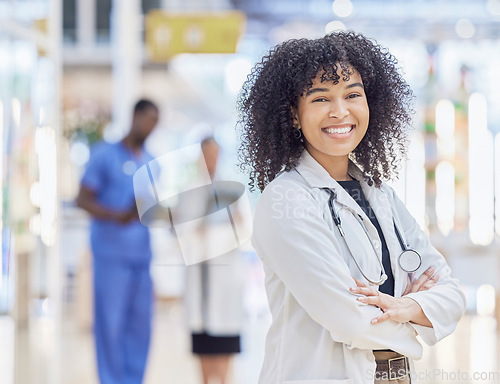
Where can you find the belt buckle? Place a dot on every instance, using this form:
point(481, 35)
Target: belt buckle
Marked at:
point(398, 374)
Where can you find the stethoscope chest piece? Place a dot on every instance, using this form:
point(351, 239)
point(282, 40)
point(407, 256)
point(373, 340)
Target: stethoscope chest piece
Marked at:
point(410, 260)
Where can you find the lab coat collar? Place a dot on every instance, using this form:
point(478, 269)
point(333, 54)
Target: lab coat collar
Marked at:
point(314, 174)
point(318, 177)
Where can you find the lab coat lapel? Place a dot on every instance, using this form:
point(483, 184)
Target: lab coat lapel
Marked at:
point(381, 205)
point(317, 177)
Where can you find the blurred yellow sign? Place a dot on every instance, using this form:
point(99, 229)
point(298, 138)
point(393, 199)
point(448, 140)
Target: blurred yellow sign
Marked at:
point(41, 26)
point(168, 34)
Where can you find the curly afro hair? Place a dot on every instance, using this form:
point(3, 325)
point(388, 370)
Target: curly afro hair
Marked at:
point(271, 93)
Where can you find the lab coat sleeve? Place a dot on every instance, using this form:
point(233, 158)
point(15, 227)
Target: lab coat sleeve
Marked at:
point(444, 304)
point(293, 239)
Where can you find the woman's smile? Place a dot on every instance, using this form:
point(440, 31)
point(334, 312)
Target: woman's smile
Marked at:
point(339, 131)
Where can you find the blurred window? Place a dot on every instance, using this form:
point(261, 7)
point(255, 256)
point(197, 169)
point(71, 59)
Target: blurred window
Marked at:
point(148, 5)
point(103, 13)
point(69, 21)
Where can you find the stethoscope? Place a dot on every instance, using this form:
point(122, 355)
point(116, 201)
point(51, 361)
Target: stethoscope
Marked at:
point(409, 260)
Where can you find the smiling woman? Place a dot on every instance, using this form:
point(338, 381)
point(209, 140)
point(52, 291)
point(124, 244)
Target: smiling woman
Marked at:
point(324, 122)
point(333, 119)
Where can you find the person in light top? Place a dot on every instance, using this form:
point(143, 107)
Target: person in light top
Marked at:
point(351, 278)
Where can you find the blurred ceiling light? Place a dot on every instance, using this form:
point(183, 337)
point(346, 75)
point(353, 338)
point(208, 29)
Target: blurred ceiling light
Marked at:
point(482, 330)
point(35, 197)
point(415, 180)
point(335, 25)
point(445, 118)
point(465, 29)
point(445, 197)
point(493, 7)
point(1, 185)
point(41, 116)
point(16, 112)
point(34, 224)
point(445, 128)
point(497, 183)
point(45, 306)
point(481, 188)
point(342, 8)
point(45, 146)
point(485, 302)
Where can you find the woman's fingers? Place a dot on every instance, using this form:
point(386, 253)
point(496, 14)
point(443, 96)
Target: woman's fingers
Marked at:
point(430, 283)
point(371, 300)
point(383, 317)
point(367, 291)
point(425, 282)
point(398, 309)
point(418, 285)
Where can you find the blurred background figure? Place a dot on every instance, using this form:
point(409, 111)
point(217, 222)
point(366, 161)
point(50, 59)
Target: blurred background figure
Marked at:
point(214, 288)
point(123, 291)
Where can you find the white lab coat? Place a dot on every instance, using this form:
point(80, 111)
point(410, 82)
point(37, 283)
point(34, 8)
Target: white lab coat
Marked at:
point(214, 285)
point(214, 295)
point(320, 334)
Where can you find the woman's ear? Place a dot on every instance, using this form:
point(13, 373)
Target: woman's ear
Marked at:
point(295, 117)
point(296, 125)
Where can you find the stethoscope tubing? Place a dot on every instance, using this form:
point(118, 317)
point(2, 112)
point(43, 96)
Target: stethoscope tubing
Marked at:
point(338, 223)
point(411, 265)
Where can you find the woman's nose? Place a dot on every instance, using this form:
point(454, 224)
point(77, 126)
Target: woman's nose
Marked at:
point(338, 110)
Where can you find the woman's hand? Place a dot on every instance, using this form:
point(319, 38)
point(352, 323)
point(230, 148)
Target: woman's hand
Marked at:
point(399, 309)
point(426, 281)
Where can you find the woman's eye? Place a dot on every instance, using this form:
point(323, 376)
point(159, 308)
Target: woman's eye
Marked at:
point(320, 99)
point(353, 95)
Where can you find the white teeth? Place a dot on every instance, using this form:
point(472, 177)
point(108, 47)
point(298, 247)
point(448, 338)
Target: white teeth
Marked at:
point(338, 130)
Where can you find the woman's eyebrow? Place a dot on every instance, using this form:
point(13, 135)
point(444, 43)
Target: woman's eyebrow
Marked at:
point(315, 90)
point(354, 85)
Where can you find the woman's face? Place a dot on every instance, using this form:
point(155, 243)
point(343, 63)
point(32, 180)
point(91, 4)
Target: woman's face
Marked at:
point(333, 118)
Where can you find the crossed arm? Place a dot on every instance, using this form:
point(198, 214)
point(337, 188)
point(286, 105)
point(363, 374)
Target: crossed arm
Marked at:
point(400, 309)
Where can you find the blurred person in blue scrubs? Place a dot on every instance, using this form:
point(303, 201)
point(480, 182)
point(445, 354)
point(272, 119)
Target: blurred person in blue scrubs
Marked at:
point(123, 289)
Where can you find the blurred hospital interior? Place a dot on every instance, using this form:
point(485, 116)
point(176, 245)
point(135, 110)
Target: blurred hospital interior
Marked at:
point(70, 73)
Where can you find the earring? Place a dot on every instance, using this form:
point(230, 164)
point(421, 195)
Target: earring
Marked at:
point(297, 131)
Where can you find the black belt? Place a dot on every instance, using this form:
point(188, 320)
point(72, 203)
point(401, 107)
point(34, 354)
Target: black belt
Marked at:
point(396, 368)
